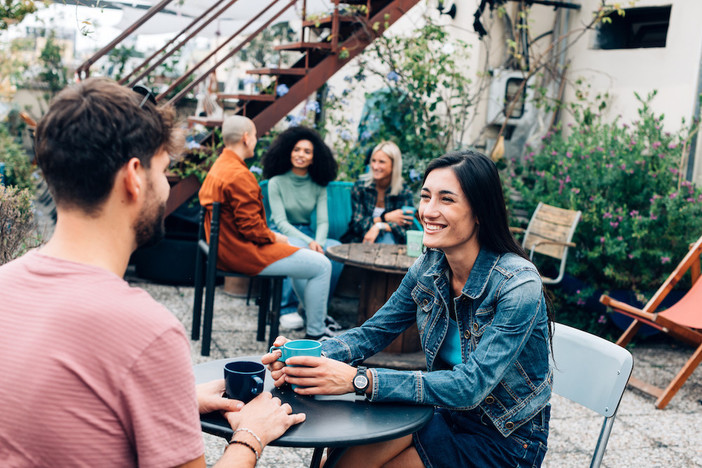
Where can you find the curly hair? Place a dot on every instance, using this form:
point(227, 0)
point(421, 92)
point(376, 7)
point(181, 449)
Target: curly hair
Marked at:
point(276, 161)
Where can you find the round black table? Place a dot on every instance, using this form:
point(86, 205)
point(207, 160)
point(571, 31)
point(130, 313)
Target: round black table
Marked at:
point(332, 420)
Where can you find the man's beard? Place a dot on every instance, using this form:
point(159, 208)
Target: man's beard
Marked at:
point(149, 228)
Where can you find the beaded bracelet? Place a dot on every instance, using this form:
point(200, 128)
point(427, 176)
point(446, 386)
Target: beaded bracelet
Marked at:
point(246, 444)
point(246, 429)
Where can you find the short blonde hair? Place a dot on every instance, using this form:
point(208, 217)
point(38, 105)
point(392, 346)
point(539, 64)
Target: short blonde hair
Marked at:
point(395, 155)
point(234, 127)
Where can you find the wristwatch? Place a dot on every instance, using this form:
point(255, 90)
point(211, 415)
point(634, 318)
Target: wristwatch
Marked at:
point(361, 382)
point(382, 216)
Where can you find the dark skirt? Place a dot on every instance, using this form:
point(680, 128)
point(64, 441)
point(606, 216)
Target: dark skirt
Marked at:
point(469, 439)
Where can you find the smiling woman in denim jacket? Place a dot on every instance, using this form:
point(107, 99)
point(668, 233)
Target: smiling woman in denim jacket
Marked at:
point(484, 325)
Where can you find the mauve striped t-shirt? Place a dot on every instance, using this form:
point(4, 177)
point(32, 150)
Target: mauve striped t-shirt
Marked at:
point(93, 372)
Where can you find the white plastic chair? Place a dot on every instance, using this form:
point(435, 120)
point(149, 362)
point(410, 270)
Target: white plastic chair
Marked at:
point(593, 372)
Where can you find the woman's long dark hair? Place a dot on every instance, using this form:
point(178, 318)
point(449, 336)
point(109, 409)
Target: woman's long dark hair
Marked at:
point(481, 184)
point(276, 161)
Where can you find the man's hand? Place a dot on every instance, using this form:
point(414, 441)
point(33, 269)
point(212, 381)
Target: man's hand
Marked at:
point(265, 416)
point(316, 247)
point(319, 375)
point(210, 398)
point(281, 238)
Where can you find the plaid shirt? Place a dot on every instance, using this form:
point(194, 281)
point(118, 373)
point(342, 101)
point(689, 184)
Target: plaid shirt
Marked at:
point(363, 201)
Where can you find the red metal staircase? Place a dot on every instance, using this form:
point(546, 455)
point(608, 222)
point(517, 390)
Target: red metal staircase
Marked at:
point(343, 37)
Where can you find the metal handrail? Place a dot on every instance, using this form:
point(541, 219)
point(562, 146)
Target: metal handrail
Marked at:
point(196, 81)
point(85, 66)
point(155, 54)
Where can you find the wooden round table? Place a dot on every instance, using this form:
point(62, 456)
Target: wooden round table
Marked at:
point(385, 265)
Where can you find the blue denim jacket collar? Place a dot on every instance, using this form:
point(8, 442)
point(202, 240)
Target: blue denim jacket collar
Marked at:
point(479, 275)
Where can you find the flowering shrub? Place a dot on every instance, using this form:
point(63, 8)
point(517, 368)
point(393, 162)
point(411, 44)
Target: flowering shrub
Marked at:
point(639, 214)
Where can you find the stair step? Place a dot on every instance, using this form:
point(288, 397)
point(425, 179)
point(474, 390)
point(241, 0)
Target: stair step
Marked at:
point(326, 21)
point(302, 46)
point(278, 71)
point(248, 97)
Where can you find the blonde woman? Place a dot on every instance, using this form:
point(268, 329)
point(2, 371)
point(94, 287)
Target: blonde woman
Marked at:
point(377, 200)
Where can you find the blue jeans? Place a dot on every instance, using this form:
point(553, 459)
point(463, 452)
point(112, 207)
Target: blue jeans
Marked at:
point(310, 272)
point(290, 301)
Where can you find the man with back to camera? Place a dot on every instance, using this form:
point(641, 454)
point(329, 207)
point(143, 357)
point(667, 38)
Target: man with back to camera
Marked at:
point(95, 372)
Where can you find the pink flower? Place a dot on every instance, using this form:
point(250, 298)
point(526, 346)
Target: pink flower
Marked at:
point(575, 190)
point(569, 154)
point(672, 146)
point(656, 144)
point(607, 215)
point(634, 213)
point(567, 179)
point(620, 238)
point(630, 256)
point(602, 319)
point(554, 153)
point(665, 260)
point(673, 195)
point(614, 224)
point(580, 302)
point(654, 217)
point(602, 240)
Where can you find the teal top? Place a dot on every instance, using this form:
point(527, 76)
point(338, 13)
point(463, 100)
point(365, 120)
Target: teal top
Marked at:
point(293, 199)
point(450, 350)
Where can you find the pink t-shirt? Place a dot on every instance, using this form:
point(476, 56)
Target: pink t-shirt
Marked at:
point(93, 372)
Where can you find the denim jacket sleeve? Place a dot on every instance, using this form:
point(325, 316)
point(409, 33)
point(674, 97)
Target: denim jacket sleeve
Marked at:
point(504, 313)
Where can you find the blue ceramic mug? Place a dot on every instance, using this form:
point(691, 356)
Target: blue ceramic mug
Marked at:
point(243, 380)
point(298, 348)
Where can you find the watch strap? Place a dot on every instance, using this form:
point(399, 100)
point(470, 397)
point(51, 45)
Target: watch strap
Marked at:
point(382, 216)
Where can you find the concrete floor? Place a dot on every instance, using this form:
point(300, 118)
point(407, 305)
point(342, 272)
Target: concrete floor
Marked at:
point(642, 436)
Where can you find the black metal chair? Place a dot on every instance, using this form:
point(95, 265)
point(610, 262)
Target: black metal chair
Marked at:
point(206, 269)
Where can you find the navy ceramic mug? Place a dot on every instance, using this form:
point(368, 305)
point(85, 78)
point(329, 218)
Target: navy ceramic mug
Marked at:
point(243, 380)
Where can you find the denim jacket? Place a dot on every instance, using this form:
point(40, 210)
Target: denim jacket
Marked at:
point(503, 327)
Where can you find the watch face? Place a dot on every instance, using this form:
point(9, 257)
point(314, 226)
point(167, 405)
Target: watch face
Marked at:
point(360, 381)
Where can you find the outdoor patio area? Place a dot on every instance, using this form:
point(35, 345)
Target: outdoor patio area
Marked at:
point(642, 436)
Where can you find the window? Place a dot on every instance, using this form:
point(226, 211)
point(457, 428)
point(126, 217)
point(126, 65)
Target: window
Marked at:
point(638, 28)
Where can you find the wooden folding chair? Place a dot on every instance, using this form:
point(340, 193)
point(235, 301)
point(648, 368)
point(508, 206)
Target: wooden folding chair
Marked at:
point(550, 232)
point(682, 321)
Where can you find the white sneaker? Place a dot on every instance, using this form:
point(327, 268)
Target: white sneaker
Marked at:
point(332, 324)
point(291, 321)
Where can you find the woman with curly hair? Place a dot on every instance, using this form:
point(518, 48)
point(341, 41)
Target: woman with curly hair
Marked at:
point(300, 166)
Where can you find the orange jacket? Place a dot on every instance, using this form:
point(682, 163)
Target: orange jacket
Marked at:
point(246, 244)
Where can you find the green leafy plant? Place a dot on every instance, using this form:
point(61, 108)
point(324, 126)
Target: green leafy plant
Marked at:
point(53, 73)
point(639, 214)
point(14, 11)
point(16, 223)
point(18, 169)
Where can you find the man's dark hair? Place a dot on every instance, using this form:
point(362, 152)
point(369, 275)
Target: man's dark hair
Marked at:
point(92, 129)
point(276, 161)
